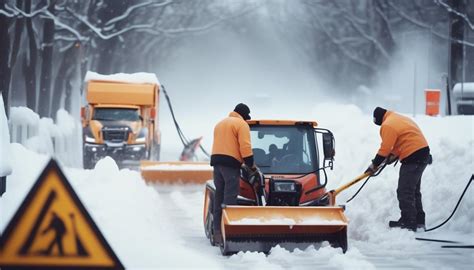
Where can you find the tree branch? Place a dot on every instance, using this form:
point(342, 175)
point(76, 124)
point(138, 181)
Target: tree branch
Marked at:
point(342, 48)
point(452, 10)
point(422, 25)
point(132, 8)
point(361, 31)
point(176, 31)
point(44, 12)
point(98, 31)
point(16, 12)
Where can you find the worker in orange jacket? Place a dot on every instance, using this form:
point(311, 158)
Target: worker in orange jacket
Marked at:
point(402, 139)
point(231, 148)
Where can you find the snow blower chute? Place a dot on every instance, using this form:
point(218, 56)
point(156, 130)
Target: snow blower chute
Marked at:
point(285, 203)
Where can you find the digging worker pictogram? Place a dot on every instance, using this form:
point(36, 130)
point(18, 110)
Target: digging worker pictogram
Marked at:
point(59, 229)
point(402, 139)
point(231, 148)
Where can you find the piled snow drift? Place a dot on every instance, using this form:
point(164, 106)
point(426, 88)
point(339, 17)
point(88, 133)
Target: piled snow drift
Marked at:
point(164, 229)
point(139, 77)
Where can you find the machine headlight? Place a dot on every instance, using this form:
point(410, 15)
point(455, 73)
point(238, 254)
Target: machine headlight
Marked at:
point(88, 137)
point(141, 137)
point(284, 192)
point(286, 186)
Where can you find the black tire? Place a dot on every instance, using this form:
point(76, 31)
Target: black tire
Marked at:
point(88, 162)
point(209, 228)
point(224, 250)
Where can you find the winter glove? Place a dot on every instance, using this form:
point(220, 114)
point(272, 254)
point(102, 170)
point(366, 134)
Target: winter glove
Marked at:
point(391, 159)
point(371, 169)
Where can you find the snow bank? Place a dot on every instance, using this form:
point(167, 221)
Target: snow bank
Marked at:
point(451, 141)
point(286, 221)
point(23, 116)
point(61, 139)
point(139, 77)
point(324, 256)
point(5, 167)
point(173, 167)
point(135, 219)
point(128, 212)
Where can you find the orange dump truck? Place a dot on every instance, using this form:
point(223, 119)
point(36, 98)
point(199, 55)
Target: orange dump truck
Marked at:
point(120, 119)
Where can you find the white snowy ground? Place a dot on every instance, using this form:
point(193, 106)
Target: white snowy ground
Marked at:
point(161, 226)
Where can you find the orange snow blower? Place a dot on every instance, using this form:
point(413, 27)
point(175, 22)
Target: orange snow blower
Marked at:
point(184, 171)
point(286, 203)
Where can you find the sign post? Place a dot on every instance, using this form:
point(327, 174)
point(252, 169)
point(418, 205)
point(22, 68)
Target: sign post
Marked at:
point(432, 101)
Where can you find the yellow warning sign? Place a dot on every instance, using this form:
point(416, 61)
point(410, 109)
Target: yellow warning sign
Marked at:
point(52, 229)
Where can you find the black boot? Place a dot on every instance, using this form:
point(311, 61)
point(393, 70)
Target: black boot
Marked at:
point(420, 222)
point(403, 224)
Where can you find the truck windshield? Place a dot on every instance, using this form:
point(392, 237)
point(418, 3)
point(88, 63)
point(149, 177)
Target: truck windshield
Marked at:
point(116, 114)
point(284, 149)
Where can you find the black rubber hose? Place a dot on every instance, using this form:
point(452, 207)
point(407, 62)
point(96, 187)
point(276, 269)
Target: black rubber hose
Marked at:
point(366, 180)
point(458, 246)
point(455, 208)
point(183, 138)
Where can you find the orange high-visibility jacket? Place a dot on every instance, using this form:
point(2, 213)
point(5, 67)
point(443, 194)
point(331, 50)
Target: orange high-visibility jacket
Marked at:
point(232, 138)
point(400, 136)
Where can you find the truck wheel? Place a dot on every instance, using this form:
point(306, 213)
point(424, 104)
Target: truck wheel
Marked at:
point(88, 163)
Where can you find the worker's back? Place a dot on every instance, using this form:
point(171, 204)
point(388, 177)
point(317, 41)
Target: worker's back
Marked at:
point(409, 136)
point(231, 141)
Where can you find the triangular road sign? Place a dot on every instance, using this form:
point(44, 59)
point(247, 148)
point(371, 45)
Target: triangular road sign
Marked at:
point(52, 229)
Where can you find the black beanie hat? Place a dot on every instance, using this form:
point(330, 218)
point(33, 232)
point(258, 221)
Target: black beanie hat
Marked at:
point(243, 110)
point(378, 115)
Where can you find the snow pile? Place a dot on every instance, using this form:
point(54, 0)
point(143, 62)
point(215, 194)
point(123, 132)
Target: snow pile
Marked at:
point(451, 140)
point(324, 257)
point(23, 116)
point(164, 229)
point(139, 77)
point(128, 212)
point(177, 167)
point(5, 167)
point(61, 139)
point(286, 221)
point(264, 221)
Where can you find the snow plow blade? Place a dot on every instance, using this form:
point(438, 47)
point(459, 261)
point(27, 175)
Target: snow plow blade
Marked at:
point(257, 228)
point(178, 172)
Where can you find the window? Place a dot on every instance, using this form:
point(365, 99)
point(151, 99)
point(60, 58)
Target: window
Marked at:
point(116, 114)
point(284, 149)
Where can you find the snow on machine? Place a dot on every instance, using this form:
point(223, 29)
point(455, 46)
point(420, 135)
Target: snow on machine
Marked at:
point(120, 120)
point(286, 202)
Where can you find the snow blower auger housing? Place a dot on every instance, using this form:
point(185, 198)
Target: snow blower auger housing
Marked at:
point(286, 202)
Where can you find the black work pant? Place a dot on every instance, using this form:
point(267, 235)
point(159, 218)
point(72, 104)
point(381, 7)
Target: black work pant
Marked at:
point(227, 182)
point(408, 193)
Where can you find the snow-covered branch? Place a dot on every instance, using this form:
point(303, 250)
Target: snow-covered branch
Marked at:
point(426, 26)
point(182, 30)
point(16, 12)
point(341, 46)
point(64, 26)
point(452, 10)
point(137, 6)
point(368, 37)
point(99, 32)
point(5, 13)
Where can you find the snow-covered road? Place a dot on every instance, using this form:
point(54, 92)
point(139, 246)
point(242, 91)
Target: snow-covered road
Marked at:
point(161, 226)
point(186, 215)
